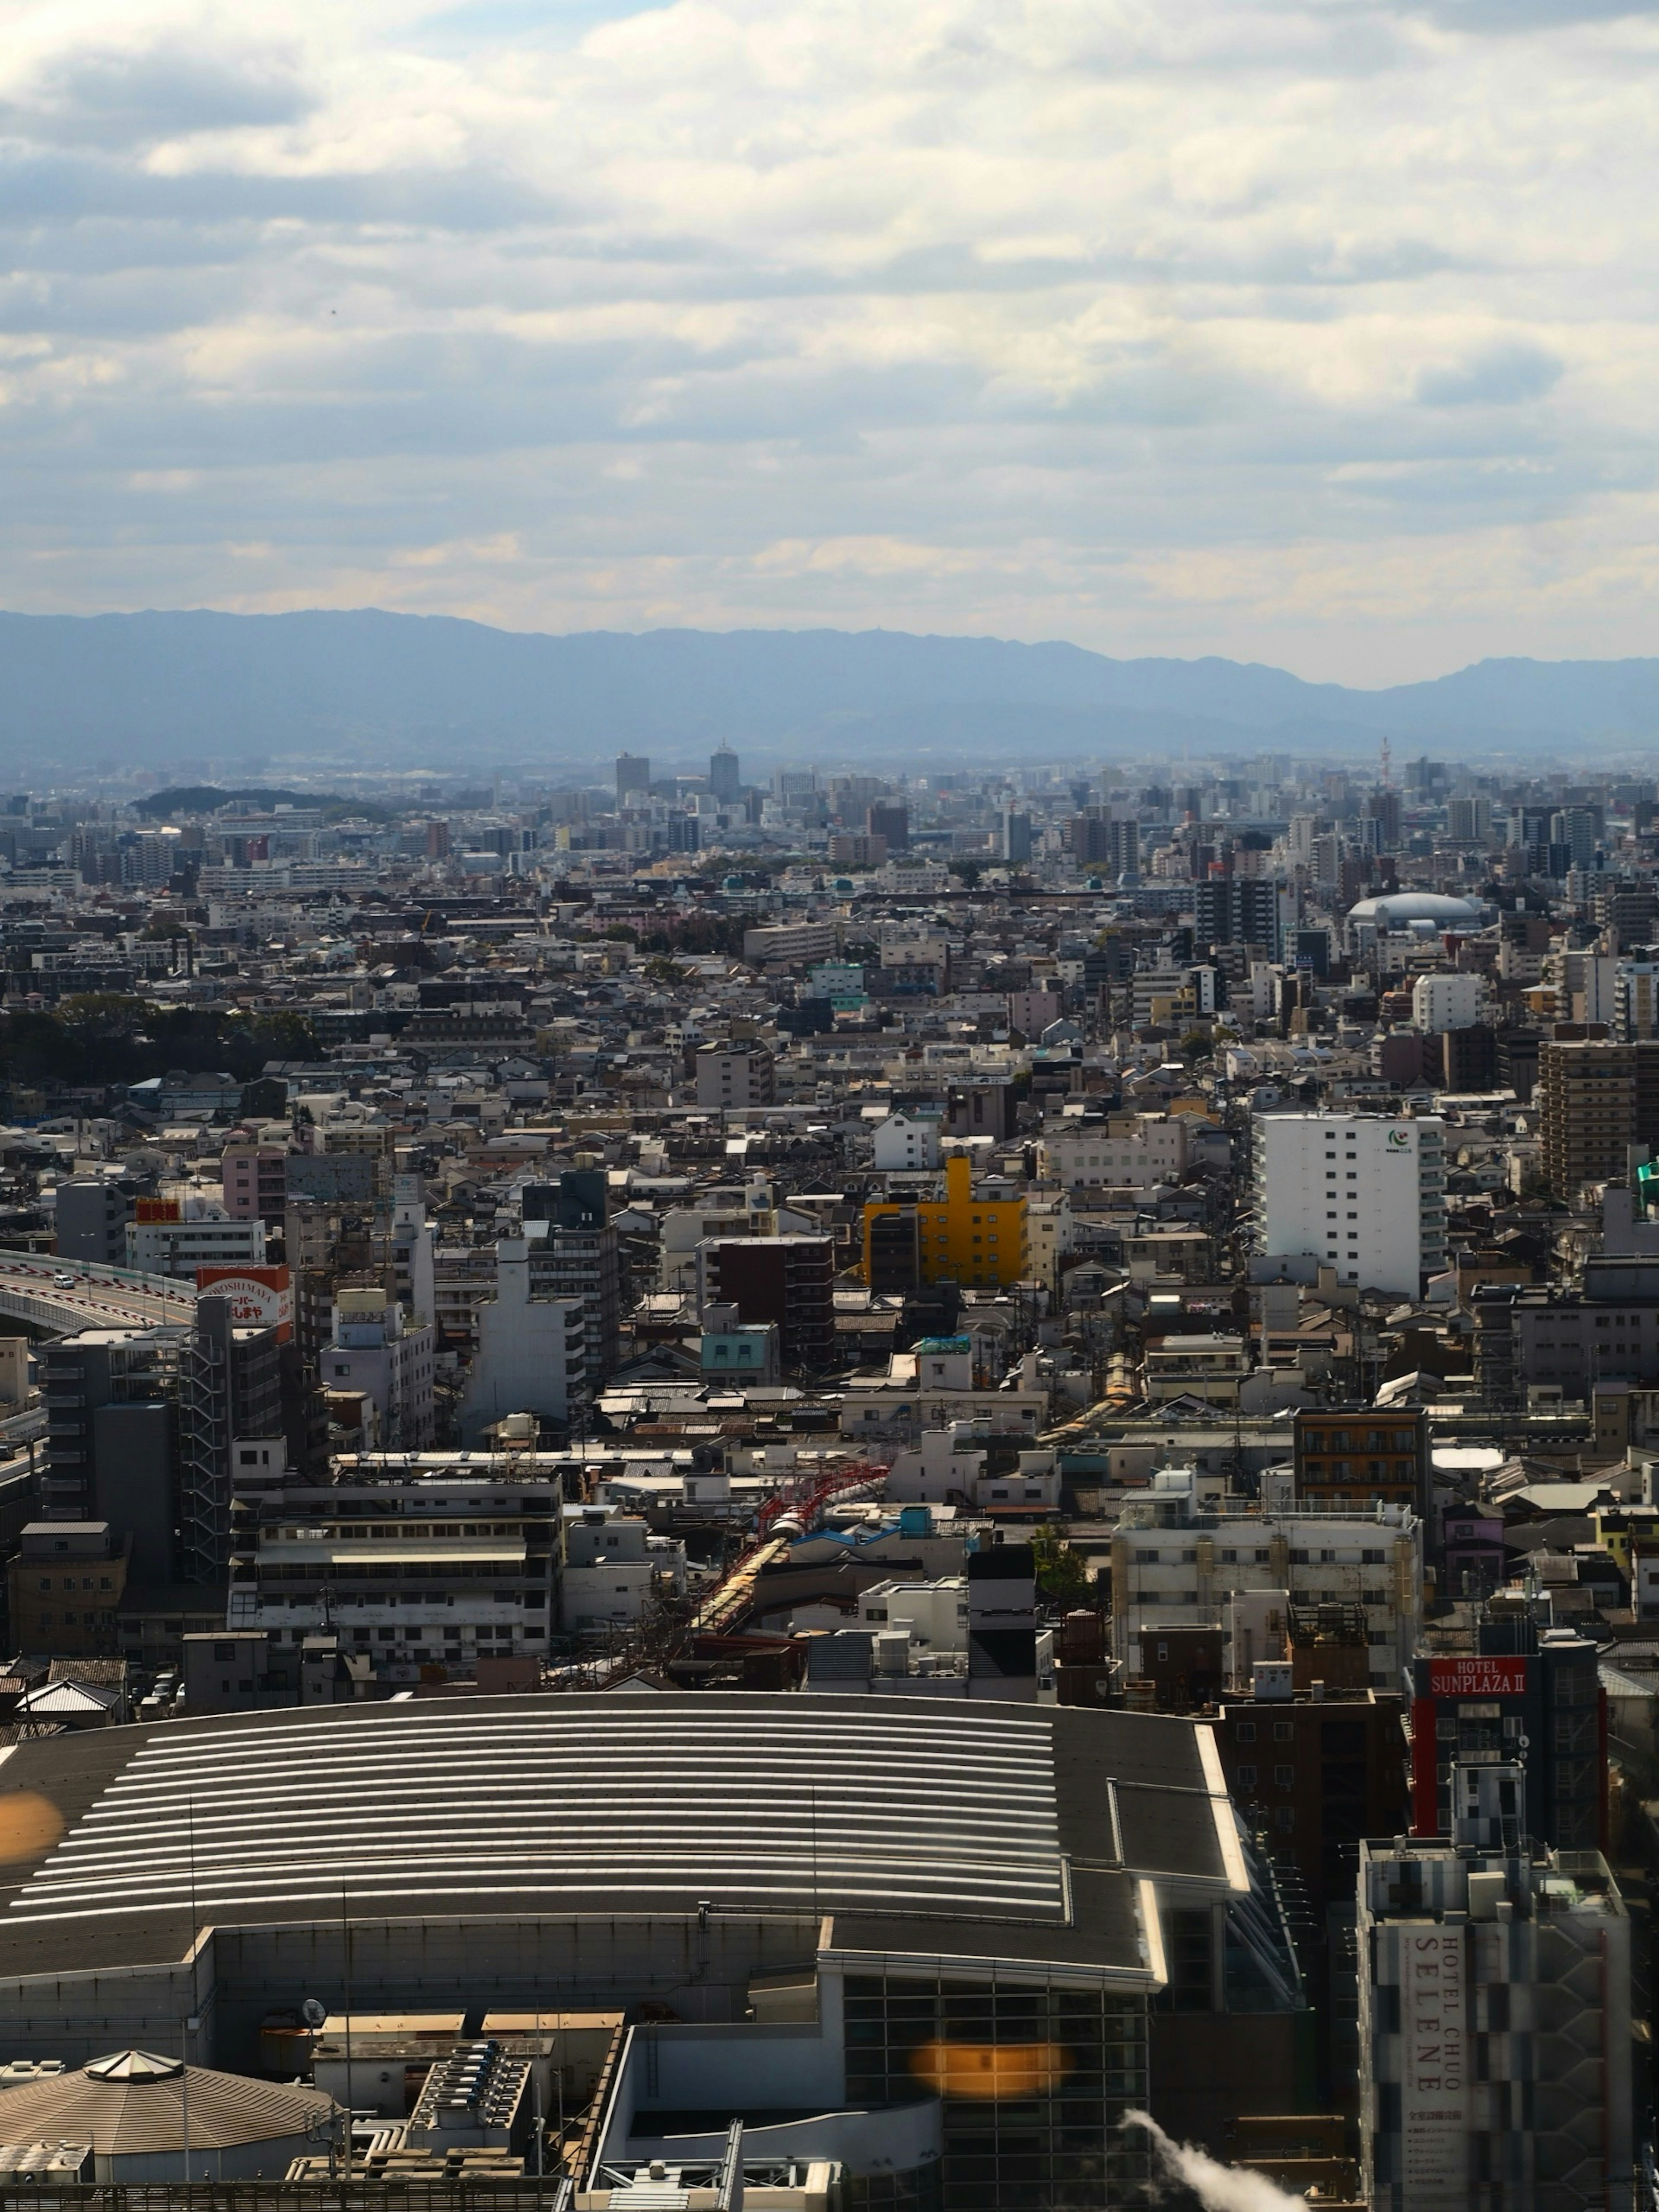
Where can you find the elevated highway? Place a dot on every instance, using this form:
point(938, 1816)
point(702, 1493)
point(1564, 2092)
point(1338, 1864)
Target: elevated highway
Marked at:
point(64, 1296)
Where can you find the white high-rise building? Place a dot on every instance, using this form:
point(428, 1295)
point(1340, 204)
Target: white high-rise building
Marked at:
point(1444, 1001)
point(1363, 1193)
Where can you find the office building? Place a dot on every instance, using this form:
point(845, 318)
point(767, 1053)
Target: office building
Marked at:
point(724, 778)
point(1446, 1001)
point(1494, 2021)
point(1362, 1194)
point(1131, 1152)
point(160, 1240)
point(633, 778)
point(890, 818)
point(1569, 1340)
point(1014, 837)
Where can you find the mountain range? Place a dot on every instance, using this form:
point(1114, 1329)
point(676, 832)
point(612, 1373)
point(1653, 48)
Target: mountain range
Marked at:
point(368, 690)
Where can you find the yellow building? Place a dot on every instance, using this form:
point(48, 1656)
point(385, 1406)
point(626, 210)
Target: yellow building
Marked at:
point(967, 1235)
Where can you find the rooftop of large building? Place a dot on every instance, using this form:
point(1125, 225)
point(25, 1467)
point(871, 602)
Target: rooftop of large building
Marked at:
point(989, 1829)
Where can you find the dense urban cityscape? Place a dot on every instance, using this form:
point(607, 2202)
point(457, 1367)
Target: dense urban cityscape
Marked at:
point(832, 1491)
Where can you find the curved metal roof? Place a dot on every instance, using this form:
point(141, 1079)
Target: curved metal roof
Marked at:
point(562, 1803)
point(966, 1828)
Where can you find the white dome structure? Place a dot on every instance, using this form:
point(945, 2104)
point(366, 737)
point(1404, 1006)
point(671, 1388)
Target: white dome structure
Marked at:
point(1399, 909)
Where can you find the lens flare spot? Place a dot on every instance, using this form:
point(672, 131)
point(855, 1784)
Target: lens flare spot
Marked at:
point(991, 2071)
point(29, 1823)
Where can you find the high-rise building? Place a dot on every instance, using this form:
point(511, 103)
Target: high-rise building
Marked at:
point(1114, 847)
point(1469, 821)
point(574, 1254)
point(786, 1280)
point(1015, 836)
point(532, 1354)
point(1361, 1193)
point(1244, 911)
point(110, 1437)
point(230, 1394)
point(1597, 1098)
point(633, 778)
point(1529, 1699)
point(1494, 2019)
point(1575, 831)
point(725, 781)
point(890, 818)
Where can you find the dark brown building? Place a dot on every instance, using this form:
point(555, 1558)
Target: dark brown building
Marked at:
point(786, 1280)
point(1356, 1458)
point(1318, 1774)
point(1184, 1665)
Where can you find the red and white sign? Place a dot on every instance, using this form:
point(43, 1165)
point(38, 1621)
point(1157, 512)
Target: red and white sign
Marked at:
point(259, 1296)
point(1477, 1678)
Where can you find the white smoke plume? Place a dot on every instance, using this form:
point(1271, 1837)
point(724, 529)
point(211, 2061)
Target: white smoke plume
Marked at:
point(1219, 2188)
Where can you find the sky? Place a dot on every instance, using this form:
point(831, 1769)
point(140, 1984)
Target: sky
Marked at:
point(1319, 332)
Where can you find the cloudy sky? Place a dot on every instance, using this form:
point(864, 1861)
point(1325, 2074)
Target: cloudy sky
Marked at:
point(1321, 333)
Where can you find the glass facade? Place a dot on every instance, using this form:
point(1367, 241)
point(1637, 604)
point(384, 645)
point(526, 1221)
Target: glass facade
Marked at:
point(1034, 2083)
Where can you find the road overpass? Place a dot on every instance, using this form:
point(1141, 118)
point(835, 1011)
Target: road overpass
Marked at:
point(93, 1296)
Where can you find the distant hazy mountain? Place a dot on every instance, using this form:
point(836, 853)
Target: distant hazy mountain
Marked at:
point(371, 689)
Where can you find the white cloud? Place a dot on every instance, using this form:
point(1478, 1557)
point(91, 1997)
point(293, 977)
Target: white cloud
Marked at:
point(1311, 329)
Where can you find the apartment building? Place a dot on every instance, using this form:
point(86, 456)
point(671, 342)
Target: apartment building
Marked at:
point(1364, 1194)
point(734, 1077)
point(1187, 1555)
point(424, 1564)
point(1596, 1099)
point(375, 1349)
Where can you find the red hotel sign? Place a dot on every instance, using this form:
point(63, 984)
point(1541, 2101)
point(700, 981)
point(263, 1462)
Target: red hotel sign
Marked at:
point(1477, 1678)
